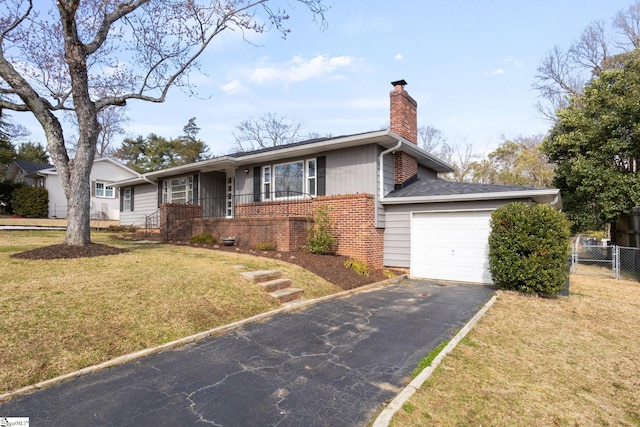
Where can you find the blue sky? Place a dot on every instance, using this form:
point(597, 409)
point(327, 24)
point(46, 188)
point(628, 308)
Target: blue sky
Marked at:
point(469, 65)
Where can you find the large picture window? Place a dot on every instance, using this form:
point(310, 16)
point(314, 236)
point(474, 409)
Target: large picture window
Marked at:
point(178, 190)
point(289, 180)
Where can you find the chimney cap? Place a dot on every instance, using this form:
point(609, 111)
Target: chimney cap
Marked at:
point(399, 83)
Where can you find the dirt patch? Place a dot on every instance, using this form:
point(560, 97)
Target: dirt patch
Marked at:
point(68, 251)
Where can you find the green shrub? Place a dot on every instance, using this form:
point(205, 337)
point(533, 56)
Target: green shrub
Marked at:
point(31, 202)
point(529, 248)
point(357, 266)
point(199, 239)
point(320, 238)
point(266, 246)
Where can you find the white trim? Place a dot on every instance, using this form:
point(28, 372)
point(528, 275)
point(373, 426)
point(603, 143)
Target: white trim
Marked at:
point(497, 195)
point(105, 185)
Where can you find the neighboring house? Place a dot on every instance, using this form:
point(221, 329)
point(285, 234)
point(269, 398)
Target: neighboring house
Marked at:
point(389, 207)
point(105, 200)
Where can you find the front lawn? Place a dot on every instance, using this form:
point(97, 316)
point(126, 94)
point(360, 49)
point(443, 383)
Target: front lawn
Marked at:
point(62, 315)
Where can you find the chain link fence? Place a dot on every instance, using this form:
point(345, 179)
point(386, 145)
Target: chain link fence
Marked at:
point(593, 257)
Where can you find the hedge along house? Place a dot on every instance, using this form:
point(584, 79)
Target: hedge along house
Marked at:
point(388, 205)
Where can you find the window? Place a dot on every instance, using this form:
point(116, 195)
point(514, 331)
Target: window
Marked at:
point(104, 190)
point(288, 180)
point(230, 193)
point(178, 190)
point(126, 199)
point(266, 180)
point(311, 177)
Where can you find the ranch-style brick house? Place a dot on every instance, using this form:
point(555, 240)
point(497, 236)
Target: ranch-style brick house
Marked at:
point(382, 190)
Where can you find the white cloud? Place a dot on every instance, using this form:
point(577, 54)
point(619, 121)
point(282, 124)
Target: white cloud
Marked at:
point(496, 72)
point(398, 57)
point(300, 69)
point(515, 62)
point(234, 87)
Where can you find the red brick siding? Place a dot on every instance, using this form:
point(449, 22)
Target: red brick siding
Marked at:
point(406, 167)
point(354, 226)
point(289, 233)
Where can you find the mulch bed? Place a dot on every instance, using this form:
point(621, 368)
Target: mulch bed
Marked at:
point(67, 251)
point(329, 267)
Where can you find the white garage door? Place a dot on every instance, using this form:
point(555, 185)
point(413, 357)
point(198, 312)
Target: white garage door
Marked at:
point(451, 246)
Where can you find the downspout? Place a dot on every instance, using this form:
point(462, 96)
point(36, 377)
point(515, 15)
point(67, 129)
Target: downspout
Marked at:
point(381, 160)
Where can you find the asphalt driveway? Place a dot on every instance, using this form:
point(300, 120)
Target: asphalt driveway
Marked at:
point(332, 364)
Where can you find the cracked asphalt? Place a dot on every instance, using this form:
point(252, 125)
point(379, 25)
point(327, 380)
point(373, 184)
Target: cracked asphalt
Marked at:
point(335, 363)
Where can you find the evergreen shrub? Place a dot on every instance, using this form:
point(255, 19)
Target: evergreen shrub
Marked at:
point(529, 248)
point(31, 202)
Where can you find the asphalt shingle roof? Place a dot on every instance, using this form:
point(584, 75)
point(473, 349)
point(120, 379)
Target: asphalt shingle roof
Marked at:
point(433, 187)
point(31, 167)
point(293, 144)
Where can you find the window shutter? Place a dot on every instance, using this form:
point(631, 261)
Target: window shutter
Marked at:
point(122, 201)
point(93, 189)
point(159, 192)
point(132, 188)
point(196, 196)
point(322, 173)
point(256, 183)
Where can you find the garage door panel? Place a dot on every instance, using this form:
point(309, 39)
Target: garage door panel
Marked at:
point(451, 246)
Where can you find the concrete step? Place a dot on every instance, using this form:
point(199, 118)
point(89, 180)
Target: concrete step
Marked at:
point(261, 276)
point(277, 284)
point(286, 295)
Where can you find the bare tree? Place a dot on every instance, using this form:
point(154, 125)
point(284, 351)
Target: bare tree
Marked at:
point(269, 130)
point(462, 162)
point(111, 121)
point(627, 24)
point(564, 72)
point(84, 56)
point(431, 139)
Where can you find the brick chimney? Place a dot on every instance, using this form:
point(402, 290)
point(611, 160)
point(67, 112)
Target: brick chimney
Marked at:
point(404, 122)
point(404, 113)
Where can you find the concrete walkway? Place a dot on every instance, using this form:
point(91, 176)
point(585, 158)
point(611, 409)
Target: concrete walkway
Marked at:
point(335, 363)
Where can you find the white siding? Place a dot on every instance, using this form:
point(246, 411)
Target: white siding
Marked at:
point(57, 199)
point(145, 202)
point(107, 172)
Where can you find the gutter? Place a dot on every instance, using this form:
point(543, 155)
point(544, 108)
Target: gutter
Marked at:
point(473, 196)
point(381, 162)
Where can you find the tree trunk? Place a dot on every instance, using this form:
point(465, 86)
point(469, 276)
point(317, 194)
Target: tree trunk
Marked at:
point(78, 211)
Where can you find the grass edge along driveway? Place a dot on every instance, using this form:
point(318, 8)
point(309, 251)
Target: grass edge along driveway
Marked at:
point(63, 315)
point(539, 362)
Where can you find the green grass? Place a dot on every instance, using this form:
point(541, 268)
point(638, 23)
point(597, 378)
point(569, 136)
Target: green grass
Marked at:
point(62, 315)
point(427, 361)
